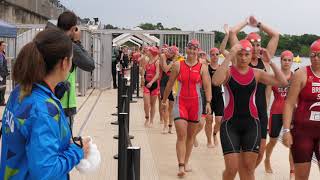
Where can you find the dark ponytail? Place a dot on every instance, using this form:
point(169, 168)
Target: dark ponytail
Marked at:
point(39, 57)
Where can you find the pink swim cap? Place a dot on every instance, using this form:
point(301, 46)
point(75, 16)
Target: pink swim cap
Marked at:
point(154, 50)
point(193, 43)
point(174, 49)
point(253, 37)
point(215, 50)
point(315, 46)
point(246, 45)
point(286, 53)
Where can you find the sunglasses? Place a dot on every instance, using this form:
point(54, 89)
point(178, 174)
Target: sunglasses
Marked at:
point(315, 54)
point(193, 47)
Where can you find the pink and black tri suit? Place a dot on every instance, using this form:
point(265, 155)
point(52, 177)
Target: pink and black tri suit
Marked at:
point(240, 128)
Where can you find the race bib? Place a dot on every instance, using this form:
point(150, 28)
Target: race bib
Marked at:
point(314, 116)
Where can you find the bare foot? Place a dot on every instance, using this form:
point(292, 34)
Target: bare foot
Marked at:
point(215, 140)
point(165, 130)
point(181, 172)
point(210, 145)
point(146, 123)
point(267, 166)
point(195, 143)
point(188, 168)
point(150, 125)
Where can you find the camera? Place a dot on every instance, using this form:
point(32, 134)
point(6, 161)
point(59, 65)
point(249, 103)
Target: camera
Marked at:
point(61, 88)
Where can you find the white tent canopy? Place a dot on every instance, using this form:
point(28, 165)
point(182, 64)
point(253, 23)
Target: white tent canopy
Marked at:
point(138, 39)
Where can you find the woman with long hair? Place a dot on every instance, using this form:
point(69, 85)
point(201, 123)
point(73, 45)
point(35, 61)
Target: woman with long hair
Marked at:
point(36, 135)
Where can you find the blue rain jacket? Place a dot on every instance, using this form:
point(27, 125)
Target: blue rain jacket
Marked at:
point(36, 138)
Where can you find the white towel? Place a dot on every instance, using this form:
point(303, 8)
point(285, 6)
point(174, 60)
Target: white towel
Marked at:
point(92, 162)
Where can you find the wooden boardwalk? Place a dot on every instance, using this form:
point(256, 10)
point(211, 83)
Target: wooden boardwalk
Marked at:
point(158, 157)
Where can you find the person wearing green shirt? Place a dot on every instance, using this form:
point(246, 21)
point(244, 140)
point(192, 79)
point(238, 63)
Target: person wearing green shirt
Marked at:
point(67, 22)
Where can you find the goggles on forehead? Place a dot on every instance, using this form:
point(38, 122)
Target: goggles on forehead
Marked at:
point(247, 49)
point(255, 40)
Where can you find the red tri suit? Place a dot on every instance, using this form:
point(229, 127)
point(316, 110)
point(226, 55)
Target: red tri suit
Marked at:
point(151, 71)
point(276, 119)
point(306, 130)
point(188, 105)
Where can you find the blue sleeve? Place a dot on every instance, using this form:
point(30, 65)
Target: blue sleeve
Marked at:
point(46, 159)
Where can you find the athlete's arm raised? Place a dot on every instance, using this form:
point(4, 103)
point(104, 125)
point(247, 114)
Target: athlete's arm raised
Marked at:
point(222, 73)
point(278, 79)
point(235, 30)
point(274, 35)
point(225, 41)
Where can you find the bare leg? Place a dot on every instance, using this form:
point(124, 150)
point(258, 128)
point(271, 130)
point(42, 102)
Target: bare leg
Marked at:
point(248, 162)
point(216, 129)
point(269, 149)
point(191, 134)
point(170, 116)
point(146, 100)
point(181, 128)
point(302, 171)
point(231, 166)
point(199, 128)
point(208, 130)
point(161, 114)
point(153, 100)
point(261, 151)
point(165, 115)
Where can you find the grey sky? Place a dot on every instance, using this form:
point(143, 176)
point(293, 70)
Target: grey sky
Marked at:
point(286, 16)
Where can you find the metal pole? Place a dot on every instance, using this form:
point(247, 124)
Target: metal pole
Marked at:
point(134, 154)
point(122, 147)
point(120, 88)
point(130, 86)
point(138, 81)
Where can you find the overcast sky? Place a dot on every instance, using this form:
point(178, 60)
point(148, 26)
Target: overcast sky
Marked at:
point(286, 16)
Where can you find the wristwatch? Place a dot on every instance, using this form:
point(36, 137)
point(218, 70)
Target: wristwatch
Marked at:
point(259, 25)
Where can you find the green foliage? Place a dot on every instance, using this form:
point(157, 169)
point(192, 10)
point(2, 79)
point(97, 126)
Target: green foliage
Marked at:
point(147, 26)
point(109, 26)
point(158, 26)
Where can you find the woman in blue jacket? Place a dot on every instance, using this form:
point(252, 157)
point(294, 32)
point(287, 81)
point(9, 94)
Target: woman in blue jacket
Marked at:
point(36, 140)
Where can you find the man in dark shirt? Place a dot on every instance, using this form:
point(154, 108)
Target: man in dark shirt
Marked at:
point(67, 22)
point(3, 73)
